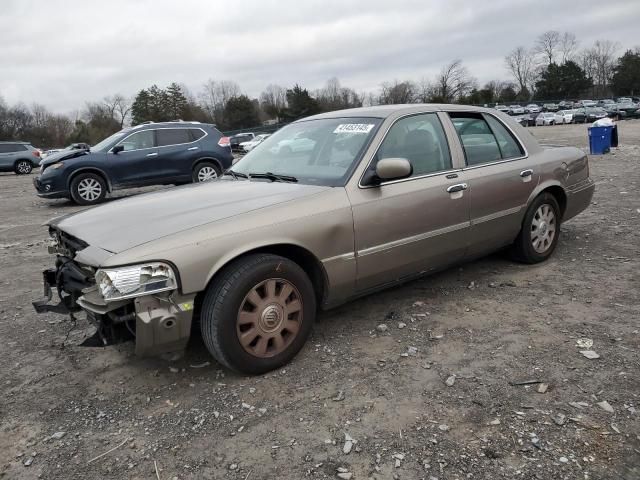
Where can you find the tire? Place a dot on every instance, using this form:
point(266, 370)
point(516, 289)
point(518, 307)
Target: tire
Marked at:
point(525, 249)
point(205, 171)
point(227, 303)
point(88, 189)
point(23, 167)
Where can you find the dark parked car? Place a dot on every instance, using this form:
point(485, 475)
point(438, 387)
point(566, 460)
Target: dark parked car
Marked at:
point(236, 140)
point(579, 115)
point(148, 154)
point(595, 113)
point(18, 157)
point(615, 112)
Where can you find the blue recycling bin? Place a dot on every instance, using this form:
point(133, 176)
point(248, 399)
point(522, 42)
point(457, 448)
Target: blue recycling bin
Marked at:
point(599, 140)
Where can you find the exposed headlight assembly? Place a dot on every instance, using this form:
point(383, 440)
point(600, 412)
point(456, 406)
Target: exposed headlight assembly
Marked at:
point(135, 281)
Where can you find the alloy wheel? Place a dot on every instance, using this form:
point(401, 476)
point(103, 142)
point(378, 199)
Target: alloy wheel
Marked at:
point(269, 318)
point(89, 189)
point(24, 167)
point(206, 173)
point(543, 228)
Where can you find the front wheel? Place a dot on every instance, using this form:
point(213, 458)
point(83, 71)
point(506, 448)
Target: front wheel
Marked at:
point(257, 314)
point(540, 230)
point(205, 171)
point(88, 189)
point(23, 167)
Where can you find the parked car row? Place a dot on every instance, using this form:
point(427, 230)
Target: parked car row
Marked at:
point(533, 108)
point(579, 115)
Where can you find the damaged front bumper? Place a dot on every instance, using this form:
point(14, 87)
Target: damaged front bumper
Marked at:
point(157, 323)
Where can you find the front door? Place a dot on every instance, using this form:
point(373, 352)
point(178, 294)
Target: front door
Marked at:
point(500, 177)
point(136, 164)
point(413, 225)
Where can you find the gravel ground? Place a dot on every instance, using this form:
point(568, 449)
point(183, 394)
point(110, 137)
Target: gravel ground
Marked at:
point(434, 395)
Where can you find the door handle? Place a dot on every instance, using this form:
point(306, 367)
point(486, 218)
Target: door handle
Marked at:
point(152, 154)
point(192, 148)
point(457, 188)
point(526, 173)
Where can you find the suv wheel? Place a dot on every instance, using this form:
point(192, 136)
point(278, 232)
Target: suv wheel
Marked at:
point(540, 230)
point(88, 189)
point(205, 171)
point(23, 167)
point(257, 314)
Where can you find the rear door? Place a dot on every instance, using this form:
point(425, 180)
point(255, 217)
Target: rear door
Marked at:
point(177, 148)
point(137, 163)
point(500, 176)
point(413, 225)
point(8, 155)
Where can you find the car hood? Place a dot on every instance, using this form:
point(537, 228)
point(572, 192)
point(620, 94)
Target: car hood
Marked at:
point(127, 223)
point(63, 155)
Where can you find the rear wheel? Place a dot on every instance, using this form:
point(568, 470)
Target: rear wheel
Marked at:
point(257, 313)
point(23, 167)
point(88, 189)
point(540, 230)
point(205, 171)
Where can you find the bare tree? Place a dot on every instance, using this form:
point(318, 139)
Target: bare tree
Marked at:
point(548, 44)
point(273, 100)
point(216, 95)
point(453, 82)
point(568, 46)
point(603, 54)
point(520, 62)
point(397, 92)
point(118, 107)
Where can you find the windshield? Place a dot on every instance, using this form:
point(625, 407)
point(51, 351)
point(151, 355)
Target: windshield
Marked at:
point(107, 142)
point(316, 152)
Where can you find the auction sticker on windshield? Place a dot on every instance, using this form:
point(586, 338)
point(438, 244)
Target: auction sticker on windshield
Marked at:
point(354, 128)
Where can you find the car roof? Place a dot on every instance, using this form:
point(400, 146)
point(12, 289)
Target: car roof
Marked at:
point(15, 141)
point(384, 111)
point(174, 124)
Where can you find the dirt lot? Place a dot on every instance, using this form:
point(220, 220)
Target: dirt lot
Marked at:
point(430, 397)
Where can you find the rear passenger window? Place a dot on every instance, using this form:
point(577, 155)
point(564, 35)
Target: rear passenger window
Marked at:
point(484, 139)
point(421, 140)
point(196, 134)
point(172, 136)
point(509, 147)
point(11, 147)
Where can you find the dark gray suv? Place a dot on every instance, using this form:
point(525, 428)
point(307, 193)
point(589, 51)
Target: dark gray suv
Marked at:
point(18, 157)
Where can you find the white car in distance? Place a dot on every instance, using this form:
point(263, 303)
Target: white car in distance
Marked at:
point(545, 118)
point(251, 144)
point(563, 117)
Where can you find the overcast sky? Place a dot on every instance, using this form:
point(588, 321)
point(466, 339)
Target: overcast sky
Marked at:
point(62, 53)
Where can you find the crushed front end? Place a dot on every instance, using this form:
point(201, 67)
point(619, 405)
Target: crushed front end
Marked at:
point(133, 302)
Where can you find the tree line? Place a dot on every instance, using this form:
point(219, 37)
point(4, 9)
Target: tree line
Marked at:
point(553, 68)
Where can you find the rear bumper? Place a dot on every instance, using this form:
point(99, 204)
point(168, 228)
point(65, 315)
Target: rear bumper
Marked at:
point(579, 198)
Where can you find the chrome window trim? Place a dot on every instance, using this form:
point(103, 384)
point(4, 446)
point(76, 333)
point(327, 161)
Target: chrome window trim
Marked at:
point(496, 162)
point(433, 174)
point(163, 146)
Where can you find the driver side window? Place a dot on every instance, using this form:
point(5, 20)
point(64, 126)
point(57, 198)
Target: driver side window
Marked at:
point(139, 140)
point(421, 140)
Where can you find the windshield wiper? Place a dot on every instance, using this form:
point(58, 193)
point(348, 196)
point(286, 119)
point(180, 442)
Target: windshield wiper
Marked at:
point(274, 177)
point(235, 175)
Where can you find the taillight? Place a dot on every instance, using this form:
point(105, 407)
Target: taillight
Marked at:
point(224, 141)
point(35, 153)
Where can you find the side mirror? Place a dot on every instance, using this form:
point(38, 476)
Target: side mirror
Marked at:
point(393, 168)
point(117, 149)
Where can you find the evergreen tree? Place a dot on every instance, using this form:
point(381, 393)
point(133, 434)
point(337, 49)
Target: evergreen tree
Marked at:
point(300, 104)
point(626, 75)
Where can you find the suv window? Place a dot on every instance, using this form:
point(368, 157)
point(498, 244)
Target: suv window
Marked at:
point(12, 147)
point(139, 140)
point(172, 136)
point(481, 142)
point(421, 140)
point(196, 134)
